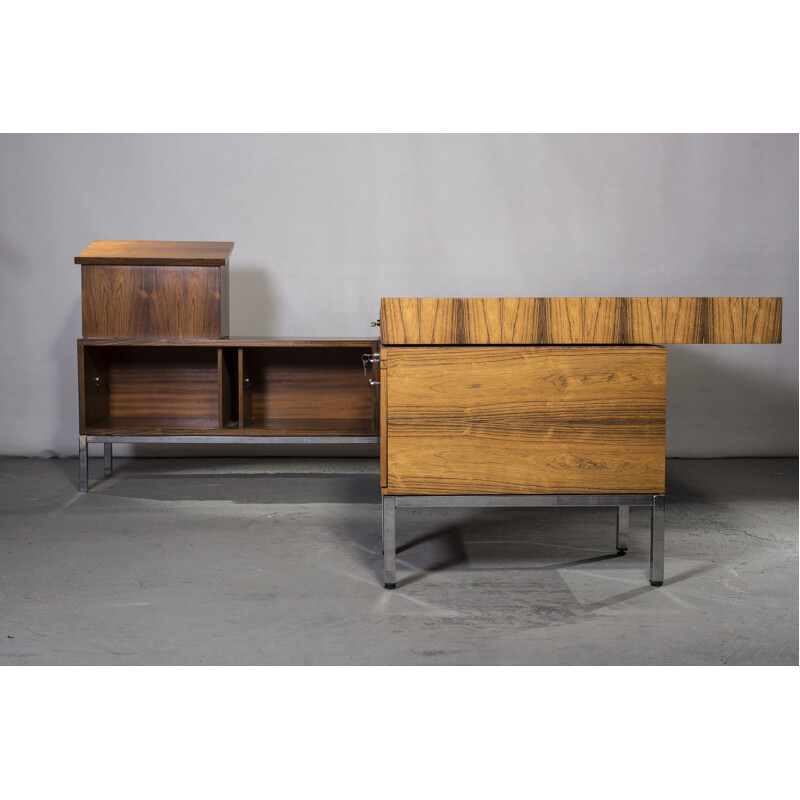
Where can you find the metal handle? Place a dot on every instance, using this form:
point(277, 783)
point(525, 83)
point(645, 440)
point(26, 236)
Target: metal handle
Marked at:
point(374, 383)
point(375, 324)
point(369, 358)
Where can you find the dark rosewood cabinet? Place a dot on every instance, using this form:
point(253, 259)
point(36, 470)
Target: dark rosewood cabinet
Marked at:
point(155, 363)
point(171, 290)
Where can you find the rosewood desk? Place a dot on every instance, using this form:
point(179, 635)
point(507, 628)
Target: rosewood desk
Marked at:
point(539, 401)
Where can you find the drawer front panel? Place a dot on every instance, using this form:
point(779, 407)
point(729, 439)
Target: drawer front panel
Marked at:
point(525, 420)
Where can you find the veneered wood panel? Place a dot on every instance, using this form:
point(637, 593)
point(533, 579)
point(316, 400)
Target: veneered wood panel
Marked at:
point(524, 420)
point(161, 388)
point(153, 302)
point(384, 394)
point(310, 388)
point(141, 253)
point(580, 320)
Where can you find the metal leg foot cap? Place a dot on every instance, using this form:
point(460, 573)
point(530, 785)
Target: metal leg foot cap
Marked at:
point(389, 585)
point(656, 583)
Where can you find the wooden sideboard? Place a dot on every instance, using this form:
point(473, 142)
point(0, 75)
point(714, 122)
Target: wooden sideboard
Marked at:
point(539, 401)
point(256, 391)
point(155, 364)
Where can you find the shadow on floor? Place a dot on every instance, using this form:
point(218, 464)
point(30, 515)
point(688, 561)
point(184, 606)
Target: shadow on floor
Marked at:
point(260, 488)
point(721, 480)
point(527, 540)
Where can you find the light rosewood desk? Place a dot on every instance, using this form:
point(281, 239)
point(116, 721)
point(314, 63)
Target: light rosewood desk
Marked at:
point(539, 401)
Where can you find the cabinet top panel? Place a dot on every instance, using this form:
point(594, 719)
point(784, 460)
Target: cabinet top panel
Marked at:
point(580, 320)
point(154, 254)
point(238, 341)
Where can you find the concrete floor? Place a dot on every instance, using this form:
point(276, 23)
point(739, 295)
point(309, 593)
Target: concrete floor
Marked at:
point(278, 561)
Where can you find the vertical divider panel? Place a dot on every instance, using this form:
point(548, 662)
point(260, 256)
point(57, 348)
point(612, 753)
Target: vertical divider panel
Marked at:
point(221, 394)
point(229, 388)
point(245, 395)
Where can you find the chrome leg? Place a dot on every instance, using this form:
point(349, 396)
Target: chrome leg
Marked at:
point(83, 465)
point(623, 517)
point(657, 541)
point(107, 459)
point(389, 553)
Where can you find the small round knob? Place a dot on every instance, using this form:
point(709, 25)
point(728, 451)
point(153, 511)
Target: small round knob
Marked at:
point(375, 324)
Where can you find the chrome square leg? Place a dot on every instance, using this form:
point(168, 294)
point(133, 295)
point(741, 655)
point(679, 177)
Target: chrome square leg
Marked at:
point(107, 459)
point(83, 464)
point(389, 552)
point(623, 518)
point(657, 541)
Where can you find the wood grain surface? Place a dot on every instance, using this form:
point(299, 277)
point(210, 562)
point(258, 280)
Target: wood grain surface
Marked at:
point(524, 420)
point(384, 460)
point(309, 389)
point(127, 388)
point(175, 388)
point(154, 302)
point(165, 254)
point(580, 320)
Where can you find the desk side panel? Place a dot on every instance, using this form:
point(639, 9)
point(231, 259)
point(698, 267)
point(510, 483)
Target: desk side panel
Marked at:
point(525, 420)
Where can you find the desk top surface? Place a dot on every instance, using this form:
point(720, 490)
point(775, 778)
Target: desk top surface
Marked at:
point(580, 320)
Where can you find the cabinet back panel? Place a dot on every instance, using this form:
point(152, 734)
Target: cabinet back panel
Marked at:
point(178, 386)
point(307, 384)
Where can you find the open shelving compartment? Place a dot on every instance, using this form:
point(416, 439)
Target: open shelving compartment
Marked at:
point(139, 389)
point(251, 391)
point(240, 387)
point(306, 389)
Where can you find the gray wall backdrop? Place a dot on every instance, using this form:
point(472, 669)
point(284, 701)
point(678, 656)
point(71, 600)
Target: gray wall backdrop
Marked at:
point(325, 225)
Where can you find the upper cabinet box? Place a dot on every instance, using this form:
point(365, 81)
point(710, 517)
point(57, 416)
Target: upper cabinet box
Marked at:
point(160, 290)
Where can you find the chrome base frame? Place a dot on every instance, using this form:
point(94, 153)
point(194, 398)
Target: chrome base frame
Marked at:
point(622, 502)
point(111, 439)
